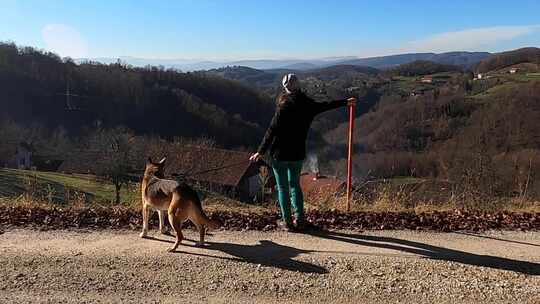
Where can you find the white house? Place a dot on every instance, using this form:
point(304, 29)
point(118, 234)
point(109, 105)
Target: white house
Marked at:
point(427, 79)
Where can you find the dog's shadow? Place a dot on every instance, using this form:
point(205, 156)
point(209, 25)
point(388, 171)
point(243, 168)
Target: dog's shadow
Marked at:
point(171, 241)
point(265, 253)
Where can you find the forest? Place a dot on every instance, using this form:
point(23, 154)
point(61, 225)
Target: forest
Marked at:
point(40, 88)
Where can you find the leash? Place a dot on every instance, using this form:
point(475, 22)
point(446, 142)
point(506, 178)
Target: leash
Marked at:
point(215, 169)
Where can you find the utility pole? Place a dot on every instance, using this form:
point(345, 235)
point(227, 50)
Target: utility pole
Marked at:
point(352, 111)
point(69, 105)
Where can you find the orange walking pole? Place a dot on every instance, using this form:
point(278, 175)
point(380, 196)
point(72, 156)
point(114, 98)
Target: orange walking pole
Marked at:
point(352, 109)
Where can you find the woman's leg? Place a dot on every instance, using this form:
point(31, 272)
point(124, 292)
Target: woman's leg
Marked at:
point(280, 173)
point(297, 198)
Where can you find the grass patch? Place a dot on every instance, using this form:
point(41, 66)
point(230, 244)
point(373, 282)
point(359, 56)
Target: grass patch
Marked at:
point(404, 180)
point(401, 194)
point(535, 76)
point(61, 188)
point(36, 188)
point(493, 91)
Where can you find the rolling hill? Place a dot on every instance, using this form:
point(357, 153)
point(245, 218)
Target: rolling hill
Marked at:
point(475, 133)
point(270, 80)
point(505, 59)
point(422, 67)
point(336, 71)
point(404, 116)
point(40, 88)
point(462, 59)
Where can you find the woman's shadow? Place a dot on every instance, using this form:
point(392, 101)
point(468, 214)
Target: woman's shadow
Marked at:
point(270, 254)
point(433, 252)
point(265, 253)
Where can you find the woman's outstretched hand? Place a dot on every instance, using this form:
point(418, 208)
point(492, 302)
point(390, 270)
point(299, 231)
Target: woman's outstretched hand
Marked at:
point(351, 101)
point(255, 157)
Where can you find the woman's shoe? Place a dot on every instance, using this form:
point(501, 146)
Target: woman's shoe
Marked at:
point(305, 226)
point(284, 226)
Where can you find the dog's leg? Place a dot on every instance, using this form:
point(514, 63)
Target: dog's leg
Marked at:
point(162, 227)
point(198, 218)
point(176, 222)
point(145, 214)
point(202, 232)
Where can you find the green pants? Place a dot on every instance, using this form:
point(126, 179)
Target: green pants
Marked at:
point(287, 174)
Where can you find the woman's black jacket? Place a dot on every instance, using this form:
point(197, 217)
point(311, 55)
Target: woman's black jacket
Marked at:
point(287, 133)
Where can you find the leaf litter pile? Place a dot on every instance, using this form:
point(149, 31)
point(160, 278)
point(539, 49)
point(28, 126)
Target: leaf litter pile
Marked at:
point(127, 218)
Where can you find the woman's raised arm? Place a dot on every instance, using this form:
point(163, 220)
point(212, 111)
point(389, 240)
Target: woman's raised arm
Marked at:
point(319, 107)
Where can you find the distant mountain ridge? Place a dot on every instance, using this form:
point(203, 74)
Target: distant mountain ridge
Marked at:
point(462, 59)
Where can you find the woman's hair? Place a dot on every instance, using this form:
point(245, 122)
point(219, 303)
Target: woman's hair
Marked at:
point(282, 99)
point(291, 85)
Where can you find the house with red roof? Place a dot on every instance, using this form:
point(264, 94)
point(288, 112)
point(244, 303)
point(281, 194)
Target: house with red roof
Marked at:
point(225, 171)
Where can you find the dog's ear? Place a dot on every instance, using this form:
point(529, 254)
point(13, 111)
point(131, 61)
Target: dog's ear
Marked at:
point(149, 160)
point(162, 161)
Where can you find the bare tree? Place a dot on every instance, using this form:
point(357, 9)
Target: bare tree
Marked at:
point(117, 159)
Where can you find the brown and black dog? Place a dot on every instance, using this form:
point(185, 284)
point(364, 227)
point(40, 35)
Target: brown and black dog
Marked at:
point(179, 200)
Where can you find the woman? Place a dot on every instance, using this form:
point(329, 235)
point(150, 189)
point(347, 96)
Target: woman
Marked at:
point(286, 141)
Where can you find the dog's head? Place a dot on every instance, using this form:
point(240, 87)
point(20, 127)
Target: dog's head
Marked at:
point(155, 169)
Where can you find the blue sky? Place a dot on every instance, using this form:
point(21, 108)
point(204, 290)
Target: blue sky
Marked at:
point(237, 29)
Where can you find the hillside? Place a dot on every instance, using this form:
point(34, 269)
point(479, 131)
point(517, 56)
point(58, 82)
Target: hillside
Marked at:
point(432, 120)
point(421, 68)
point(481, 136)
point(269, 81)
point(40, 88)
point(462, 59)
point(263, 80)
point(505, 59)
point(340, 70)
point(412, 115)
point(421, 119)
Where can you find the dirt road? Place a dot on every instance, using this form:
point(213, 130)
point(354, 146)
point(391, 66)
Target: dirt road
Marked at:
point(256, 267)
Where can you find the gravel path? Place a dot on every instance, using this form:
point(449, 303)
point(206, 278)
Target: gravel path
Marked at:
point(257, 267)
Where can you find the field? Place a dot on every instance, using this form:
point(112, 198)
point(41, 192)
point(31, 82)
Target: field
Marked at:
point(65, 190)
point(409, 84)
point(58, 188)
point(398, 194)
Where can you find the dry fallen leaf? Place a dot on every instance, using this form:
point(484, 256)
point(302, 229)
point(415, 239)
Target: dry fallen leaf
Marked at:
point(126, 218)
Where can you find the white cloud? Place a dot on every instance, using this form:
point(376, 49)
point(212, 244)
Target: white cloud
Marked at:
point(470, 39)
point(64, 40)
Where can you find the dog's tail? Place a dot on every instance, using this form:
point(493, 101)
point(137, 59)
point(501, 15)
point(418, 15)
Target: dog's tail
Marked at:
point(211, 223)
point(204, 219)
